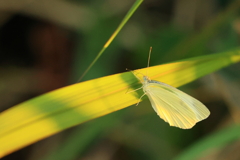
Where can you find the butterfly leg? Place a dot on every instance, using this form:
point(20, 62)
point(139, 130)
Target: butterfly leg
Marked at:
point(138, 79)
point(140, 99)
point(133, 90)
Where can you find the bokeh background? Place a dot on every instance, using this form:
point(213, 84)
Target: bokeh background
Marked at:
point(47, 44)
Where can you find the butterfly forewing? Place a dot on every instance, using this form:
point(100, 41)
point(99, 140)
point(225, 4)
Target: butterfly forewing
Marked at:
point(174, 106)
point(198, 108)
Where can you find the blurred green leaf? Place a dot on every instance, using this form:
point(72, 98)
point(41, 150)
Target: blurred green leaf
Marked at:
point(214, 141)
point(196, 43)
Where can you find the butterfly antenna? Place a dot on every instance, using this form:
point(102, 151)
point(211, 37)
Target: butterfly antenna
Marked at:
point(134, 71)
point(149, 55)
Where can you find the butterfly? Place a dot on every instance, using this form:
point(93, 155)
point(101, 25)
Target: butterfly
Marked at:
point(172, 105)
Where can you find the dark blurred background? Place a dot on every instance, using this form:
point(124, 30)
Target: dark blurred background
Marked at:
point(47, 44)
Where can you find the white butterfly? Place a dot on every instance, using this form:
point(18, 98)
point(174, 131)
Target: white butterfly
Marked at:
point(172, 105)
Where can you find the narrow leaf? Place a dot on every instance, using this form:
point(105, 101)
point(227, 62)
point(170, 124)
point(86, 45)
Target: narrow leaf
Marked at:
point(212, 142)
point(55, 111)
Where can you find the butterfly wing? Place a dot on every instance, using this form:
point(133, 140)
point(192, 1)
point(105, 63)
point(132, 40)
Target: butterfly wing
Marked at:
point(174, 106)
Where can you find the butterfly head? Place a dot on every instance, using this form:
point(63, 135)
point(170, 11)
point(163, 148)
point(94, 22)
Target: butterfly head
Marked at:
point(146, 79)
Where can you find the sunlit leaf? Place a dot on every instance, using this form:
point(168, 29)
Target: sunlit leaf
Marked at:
point(55, 111)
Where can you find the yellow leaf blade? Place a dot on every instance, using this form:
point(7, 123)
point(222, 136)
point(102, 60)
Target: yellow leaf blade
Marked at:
point(55, 111)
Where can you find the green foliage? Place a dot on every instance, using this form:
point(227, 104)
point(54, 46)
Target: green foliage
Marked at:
point(137, 129)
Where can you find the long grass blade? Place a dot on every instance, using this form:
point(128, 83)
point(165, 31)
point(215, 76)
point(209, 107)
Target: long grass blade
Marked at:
point(69, 106)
